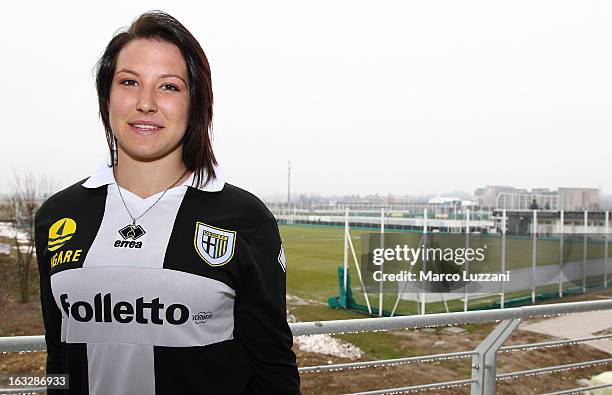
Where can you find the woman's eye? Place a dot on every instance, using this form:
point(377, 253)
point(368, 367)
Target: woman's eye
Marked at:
point(169, 87)
point(128, 82)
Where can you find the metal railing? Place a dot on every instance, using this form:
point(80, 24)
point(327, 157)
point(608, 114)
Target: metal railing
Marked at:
point(483, 359)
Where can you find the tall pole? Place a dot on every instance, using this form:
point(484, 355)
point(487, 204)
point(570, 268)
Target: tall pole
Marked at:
point(424, 293)
point(534, 232)
point(346, 236)
point(503, 257)
point(288, 183)
point(467, 264)
point(606, 231)
point(382, 245)
point(584, 249)
point(561, 241)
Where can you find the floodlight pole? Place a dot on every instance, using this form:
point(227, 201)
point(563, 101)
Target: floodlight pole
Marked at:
point(288, 183)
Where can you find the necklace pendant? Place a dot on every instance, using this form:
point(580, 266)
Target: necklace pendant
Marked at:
point(133, 221)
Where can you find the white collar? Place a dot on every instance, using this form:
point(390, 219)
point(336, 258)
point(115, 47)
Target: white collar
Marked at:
point(104, 175)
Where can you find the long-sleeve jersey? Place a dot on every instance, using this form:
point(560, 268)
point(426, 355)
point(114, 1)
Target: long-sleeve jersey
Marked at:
point(190, 300)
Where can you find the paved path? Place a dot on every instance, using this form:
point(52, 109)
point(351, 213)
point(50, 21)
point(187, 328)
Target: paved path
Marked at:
point(574, 326)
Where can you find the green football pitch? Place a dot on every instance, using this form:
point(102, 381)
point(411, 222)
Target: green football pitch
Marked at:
point(315, 252)
point(313, 256)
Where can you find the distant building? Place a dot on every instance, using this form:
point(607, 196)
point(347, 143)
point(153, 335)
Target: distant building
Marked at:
point(509, 198)
point(578, 199)
point(488, 197)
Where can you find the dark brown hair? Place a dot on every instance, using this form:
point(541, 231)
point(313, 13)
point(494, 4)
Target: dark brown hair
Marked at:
point(198, 155)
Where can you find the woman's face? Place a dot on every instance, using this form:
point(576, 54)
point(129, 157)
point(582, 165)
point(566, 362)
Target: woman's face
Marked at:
point(149, 100)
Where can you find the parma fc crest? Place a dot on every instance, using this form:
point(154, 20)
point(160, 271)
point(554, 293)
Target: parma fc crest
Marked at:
point(214, 245)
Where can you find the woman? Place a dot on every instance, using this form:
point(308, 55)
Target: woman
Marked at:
point(156, 276)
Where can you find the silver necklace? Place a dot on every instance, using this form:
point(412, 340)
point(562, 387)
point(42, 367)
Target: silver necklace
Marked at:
point(151, 206)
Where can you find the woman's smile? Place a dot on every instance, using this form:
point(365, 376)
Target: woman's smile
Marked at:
point(145, 128)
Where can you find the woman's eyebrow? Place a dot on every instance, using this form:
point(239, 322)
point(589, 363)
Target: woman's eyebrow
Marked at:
point(127, 71)
point(161, 76)
point(173, 75)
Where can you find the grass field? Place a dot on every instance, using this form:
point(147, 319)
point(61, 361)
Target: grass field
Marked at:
point(313, 256)
point(315, 252)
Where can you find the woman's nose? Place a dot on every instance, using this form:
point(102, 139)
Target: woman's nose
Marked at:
point(146, 101)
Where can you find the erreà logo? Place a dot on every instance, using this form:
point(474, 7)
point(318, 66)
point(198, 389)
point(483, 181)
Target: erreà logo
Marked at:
point(130, 232)
point(104, 309)
point(60, 233)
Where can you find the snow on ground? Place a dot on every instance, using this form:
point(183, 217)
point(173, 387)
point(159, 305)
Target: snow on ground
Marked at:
point(8, 230)
point(24, 249)
point(297, 301)
point(325, 344)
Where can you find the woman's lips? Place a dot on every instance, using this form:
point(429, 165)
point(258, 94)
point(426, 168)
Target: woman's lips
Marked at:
point(145, 129)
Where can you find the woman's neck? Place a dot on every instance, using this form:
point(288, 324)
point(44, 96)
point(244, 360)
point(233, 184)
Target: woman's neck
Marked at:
point(148, 178)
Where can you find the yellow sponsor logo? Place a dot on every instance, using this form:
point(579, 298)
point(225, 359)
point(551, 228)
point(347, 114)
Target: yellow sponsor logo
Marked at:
point(65, 256)
point(60, 233)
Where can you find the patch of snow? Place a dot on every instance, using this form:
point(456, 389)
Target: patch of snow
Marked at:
point(297, 301)
point(325, 344)
point(8, 230)
point(24, 249)
point(322, 344)
point(602, 378)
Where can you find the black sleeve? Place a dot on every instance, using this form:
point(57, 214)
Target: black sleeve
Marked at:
point(261, 317)
point(51, 314)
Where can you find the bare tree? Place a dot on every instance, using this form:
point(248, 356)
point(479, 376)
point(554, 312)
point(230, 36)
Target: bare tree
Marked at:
point(26, 194)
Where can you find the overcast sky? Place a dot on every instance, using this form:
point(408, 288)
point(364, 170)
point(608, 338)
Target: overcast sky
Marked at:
point(402, 97)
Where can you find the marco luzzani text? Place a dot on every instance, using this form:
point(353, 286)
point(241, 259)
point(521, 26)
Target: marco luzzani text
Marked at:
point(410, 255)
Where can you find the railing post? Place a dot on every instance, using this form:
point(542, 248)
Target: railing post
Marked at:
point(484, 361)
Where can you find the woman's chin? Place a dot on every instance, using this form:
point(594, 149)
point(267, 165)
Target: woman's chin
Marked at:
point(146, 155)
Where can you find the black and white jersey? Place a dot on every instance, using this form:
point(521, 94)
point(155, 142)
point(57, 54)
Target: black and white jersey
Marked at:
point(190, 300)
